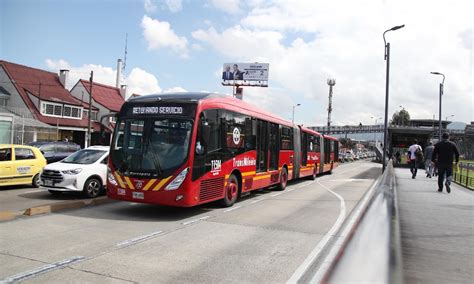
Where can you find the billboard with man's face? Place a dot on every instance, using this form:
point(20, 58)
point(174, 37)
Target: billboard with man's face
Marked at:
point(245, 74)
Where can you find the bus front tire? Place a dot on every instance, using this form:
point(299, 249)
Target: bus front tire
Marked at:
point(283, 179)
point(231, 191)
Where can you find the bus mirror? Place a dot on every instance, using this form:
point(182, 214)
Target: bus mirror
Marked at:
point(206, 133)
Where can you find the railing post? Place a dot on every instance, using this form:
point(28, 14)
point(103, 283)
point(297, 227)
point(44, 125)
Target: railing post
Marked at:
point(467, 175)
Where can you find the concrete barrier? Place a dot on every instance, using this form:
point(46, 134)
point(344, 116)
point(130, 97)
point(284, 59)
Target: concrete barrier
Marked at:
point(373, 251)
point(55, 207)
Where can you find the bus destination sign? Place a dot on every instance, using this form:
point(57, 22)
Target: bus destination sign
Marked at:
point(158, 110)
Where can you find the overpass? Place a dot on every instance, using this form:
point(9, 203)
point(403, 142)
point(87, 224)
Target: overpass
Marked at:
point(348, 129)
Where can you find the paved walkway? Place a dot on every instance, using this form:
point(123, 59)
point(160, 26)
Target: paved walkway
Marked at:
point(437, 230)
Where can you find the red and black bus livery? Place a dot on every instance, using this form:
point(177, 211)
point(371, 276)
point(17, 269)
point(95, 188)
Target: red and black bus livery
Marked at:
point(192, 148)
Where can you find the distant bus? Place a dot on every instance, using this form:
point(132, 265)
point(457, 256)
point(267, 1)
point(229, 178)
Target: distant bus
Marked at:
point(192, 148)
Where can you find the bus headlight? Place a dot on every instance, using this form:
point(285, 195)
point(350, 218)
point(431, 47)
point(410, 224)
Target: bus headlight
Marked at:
point(176, 183)
point(111, 178)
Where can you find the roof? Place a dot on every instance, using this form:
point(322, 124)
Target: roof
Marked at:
point(26, 78)
point(17, 146)
point(105, 95)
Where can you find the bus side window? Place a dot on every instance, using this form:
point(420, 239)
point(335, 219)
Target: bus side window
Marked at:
point(203, 136)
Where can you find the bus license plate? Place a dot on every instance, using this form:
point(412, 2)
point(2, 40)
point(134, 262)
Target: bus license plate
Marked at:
point(138, 195)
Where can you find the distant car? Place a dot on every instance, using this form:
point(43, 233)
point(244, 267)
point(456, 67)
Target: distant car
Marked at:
point(57, 150)
point(84, 171)
point(20, 164)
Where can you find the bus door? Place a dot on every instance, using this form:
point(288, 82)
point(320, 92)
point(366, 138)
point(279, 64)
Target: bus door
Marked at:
point(262, 146)
point(274, 146)
point(322, 143)
point(304, 149)
point(296, 152)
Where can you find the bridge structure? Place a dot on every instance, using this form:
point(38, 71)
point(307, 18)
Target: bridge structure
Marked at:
point(348, 129)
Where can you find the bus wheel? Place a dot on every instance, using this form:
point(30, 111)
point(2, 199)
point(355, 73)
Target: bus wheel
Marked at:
point(231, 191)
point(283, 179)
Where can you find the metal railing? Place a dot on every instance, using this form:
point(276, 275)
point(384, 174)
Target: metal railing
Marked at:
point(464, 174)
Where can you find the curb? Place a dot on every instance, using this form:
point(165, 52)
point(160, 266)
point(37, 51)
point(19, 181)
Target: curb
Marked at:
point(56, 207)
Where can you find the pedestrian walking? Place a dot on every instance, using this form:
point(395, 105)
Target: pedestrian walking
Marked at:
point(414, 152)
point(428, 160)
point(445, 152)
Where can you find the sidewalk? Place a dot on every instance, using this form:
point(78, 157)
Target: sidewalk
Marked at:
point(437, 230)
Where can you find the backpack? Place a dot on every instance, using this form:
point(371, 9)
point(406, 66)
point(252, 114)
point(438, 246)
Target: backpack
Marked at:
point(419, 154)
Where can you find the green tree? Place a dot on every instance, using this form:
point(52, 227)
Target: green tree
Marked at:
point(347, 143)
point(401, 117)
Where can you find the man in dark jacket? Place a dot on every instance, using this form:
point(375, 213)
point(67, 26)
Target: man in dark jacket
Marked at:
point(444, 153)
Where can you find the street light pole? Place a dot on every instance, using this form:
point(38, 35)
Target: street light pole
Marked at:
point(331, 83)
point(293, 117)
point(441, 89)
point(387, 58)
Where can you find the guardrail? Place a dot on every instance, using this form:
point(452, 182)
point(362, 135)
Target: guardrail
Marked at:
point(464, 174)
point(373, 251)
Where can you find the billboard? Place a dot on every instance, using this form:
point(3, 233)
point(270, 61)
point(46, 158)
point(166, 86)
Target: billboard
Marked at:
point(245, 74)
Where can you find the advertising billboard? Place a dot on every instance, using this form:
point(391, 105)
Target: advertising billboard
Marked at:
point(245, 74)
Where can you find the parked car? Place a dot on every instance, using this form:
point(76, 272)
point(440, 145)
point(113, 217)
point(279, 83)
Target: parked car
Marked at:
point(20, 164)
point(57, 150)
point(84, 171)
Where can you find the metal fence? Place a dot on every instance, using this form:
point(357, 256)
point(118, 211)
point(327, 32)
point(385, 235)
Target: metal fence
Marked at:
point(464, 174)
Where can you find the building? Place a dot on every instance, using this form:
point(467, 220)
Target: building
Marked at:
point(40, 100)
point(106, 100)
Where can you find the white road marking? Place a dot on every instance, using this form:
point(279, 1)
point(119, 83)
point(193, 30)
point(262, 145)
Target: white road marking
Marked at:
point(195, 220)
point(276, 194)
point(257, 200)
point(41, 270)
point(350, 179)
point(233, 208)
point(326, 264)
point(138, 239)
point(323, 242)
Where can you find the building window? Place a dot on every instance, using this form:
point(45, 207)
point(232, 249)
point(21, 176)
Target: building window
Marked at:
point(93, 116)
point(58, 110)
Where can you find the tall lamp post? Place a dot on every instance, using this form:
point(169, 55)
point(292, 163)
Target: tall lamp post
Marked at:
point(441, 87)
point(331, 83)
point(293, 117)
point(387, 58)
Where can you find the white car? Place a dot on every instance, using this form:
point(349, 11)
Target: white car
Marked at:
point(84, 171)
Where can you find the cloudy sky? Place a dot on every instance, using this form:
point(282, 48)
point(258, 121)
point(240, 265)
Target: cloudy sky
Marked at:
point(177, 45)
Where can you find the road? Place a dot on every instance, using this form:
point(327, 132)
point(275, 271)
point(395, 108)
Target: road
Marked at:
point(263, 238)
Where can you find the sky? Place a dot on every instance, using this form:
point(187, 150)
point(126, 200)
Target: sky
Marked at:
point(181, 45)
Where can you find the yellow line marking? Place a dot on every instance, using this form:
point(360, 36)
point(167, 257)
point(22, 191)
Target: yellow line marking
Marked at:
point(261, 177)
point(161, 183)
point(149, 184)
point(117, 176)
point(129, 182)
point(248, 174)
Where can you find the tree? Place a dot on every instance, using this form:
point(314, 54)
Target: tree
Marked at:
point(347, 143)
point(401, 117)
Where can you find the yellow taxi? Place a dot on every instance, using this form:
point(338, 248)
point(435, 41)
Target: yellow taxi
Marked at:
point(20, 165)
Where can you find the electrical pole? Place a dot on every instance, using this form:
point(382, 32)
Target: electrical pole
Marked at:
point(331, 83)
point(91, 81)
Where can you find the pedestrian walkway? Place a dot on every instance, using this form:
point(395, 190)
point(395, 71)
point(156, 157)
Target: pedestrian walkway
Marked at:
point(437, 230)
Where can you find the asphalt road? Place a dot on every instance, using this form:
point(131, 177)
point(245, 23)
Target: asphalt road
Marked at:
point(263, 238)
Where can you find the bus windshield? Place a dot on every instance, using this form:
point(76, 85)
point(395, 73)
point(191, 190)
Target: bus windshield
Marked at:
point(150, 147)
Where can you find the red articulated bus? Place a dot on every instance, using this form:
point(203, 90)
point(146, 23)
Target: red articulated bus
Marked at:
point(192, 148)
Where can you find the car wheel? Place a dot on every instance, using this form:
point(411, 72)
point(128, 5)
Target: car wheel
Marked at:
point(92, 188)
point(231, 191)
point(36, 181)
point(283, 179)
point(55, 192)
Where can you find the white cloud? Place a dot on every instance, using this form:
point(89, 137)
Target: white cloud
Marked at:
point(174, 5)
point(175, 90)
point(149, 6)
point(138, 81)
point(227, 6)
point(306, 42)
point(159, 34)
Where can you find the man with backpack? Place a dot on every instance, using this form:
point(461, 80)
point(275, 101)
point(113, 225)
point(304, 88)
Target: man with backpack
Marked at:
point(415, 154)
point(444, 154)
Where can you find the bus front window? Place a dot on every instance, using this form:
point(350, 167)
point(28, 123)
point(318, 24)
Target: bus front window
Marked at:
point(151, 147)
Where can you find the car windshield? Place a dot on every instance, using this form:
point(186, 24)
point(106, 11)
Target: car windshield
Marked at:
point(84, 156)
point(151, 147)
